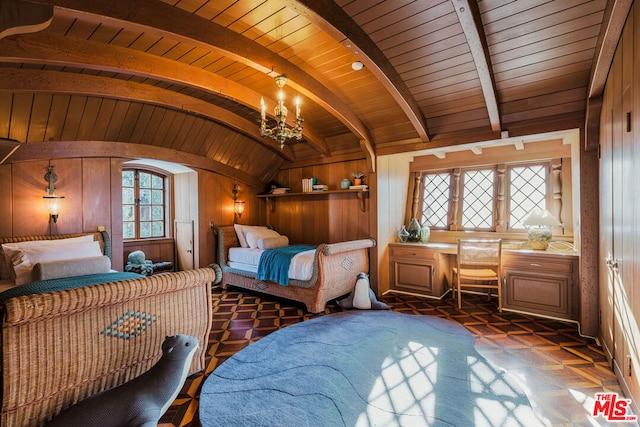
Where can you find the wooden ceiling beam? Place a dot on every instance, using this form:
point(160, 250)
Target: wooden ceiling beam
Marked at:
point(65, 51)
point(332, 19)
point(610, 33)
point(156, 17)
point(19, 16)
point(24, 80)
point(469, 17)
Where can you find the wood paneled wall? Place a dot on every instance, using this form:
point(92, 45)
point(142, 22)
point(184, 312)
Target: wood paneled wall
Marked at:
point(92, 191)
point(316, 217)
point(84, 182)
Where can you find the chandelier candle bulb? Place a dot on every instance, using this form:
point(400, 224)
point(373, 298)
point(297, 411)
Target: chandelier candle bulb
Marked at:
point(281, 132)
point(263, 109)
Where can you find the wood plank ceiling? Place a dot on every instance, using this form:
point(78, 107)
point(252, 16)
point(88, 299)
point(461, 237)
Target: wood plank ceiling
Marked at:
point(186, 76)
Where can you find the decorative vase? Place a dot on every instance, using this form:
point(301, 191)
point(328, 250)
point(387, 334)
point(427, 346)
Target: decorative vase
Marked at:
point(414, 230)
point(425, 234)
point(403, 235)
point(539, 237)
point(345, 184)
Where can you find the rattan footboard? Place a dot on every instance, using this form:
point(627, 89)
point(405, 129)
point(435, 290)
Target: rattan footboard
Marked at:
point(336, 269)
point(61, 347)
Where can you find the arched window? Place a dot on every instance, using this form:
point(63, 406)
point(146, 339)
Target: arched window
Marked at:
point(144, 204)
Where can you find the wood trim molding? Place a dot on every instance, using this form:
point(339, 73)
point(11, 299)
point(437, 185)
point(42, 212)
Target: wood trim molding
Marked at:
point(542, 150)
point(79, 149)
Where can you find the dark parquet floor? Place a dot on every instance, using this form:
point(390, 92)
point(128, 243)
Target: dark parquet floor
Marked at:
point(561, 369)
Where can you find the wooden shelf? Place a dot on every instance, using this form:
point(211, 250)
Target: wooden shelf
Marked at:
point(270, 198)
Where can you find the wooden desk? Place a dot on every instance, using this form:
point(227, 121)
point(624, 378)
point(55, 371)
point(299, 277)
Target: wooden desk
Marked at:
point(535, 282)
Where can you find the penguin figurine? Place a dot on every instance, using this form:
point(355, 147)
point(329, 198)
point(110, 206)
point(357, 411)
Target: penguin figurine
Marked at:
point(362, 296)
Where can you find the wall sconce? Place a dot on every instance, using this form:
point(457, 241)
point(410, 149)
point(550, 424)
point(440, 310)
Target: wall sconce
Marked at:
point(52, 201)
point(238, 205)
point(539, 223)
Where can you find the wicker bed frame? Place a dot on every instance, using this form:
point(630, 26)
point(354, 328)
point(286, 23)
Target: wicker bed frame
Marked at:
point(335, 270)
point(55, 350)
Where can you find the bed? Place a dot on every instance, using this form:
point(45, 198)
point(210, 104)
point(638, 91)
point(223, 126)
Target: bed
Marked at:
point(321, 274)
point(68, 339)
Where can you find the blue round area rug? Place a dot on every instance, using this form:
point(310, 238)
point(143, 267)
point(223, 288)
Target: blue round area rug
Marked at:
point(364, 368)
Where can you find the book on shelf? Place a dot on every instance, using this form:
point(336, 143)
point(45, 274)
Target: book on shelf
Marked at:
point(358, 187)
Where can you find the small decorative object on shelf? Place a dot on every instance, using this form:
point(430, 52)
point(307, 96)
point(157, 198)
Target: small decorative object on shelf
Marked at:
point(425, 234)
point(357, 178)
point(345, 184)
point(414, 230)
point(403, 235)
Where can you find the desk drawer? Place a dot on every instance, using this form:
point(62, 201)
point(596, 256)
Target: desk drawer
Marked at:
point(412, 252)
point(540, 264)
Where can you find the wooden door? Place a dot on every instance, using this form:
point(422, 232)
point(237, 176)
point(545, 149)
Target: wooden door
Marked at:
point(184, 244)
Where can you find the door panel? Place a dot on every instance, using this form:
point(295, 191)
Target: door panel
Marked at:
point(184, 244)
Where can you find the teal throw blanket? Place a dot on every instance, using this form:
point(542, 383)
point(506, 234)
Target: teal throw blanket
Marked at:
point(274, 263)
point(52, 285)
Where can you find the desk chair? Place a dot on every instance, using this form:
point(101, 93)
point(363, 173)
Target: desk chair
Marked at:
point(478, 267)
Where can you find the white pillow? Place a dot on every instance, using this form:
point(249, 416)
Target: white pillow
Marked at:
point(273, 242)
point(241, 232)
point(30, 243)
point(253, 236)
point(24, 259)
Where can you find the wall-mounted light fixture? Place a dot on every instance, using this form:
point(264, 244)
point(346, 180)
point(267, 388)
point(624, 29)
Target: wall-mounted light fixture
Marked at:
point(238, 205)
point(51, 199)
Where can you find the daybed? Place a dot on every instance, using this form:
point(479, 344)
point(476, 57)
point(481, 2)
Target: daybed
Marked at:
point(62, 346)
point(334, 271)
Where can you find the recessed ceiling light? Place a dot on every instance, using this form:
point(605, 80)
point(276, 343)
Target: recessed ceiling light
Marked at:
point(357, 65)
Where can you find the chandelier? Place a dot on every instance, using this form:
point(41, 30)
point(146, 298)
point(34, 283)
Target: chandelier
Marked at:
point(280, 132)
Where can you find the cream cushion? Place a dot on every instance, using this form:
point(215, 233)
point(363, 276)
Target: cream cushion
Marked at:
point(71, 267)
point(8, 265)
point(253, 236)
point(242, 230)
point(273, 242)
point(24, 259)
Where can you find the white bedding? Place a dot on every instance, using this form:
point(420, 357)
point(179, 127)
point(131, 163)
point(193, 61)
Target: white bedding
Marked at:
point(247, 259)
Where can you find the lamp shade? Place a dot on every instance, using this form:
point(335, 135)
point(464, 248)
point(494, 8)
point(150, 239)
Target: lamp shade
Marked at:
point(53, 205)
point(540, 218)
point(238, 208)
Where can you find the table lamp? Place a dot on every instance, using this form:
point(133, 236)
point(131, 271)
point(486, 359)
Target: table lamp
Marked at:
point(539, 223)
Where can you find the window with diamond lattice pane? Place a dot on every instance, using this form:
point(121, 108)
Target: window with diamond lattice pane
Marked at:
point(478, 199)
point(435, 201)
point(528, 190)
